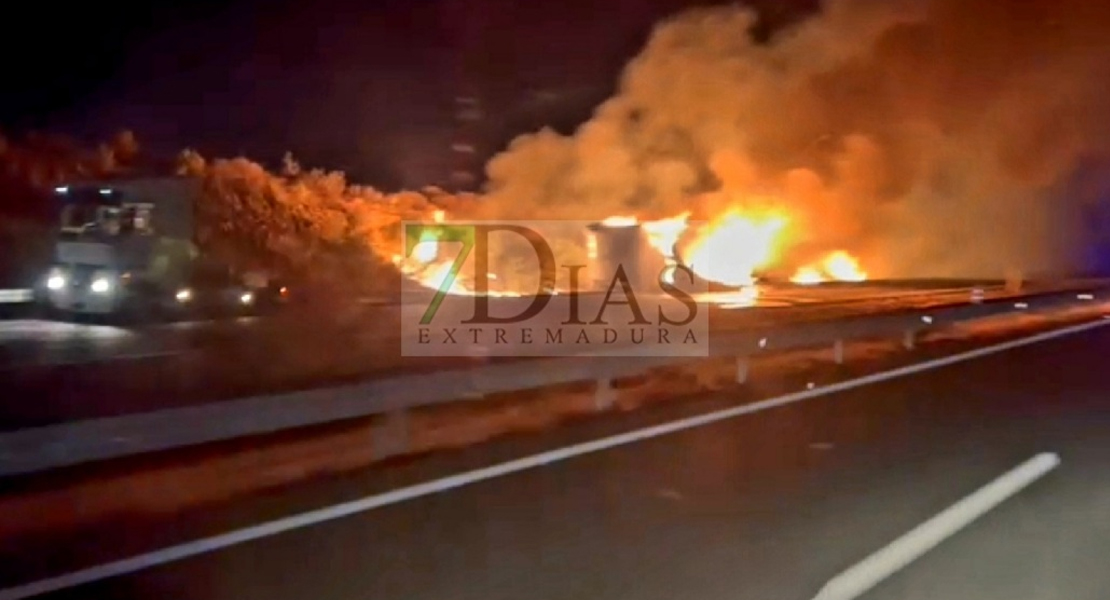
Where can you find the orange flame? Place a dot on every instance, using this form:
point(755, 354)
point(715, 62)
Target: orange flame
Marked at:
point(620, 221)
point(426, 268)
point(732, 247)
point(729, 250)
point(808, 276)
point(836, 266)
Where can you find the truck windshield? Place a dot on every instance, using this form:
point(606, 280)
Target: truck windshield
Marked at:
point(81, 217)
point(106, 219)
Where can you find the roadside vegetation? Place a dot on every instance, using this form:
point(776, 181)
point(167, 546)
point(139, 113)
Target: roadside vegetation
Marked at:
point(301, 224)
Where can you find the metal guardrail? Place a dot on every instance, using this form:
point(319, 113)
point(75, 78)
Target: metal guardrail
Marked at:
point(161, 341)
point(40, 449)
point(16, 296)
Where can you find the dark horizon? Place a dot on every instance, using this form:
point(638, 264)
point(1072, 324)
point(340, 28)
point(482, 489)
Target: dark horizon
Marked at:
point(367, 90)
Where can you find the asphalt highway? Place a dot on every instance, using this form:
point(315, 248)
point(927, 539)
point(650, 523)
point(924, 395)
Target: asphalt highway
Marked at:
point(773, 504)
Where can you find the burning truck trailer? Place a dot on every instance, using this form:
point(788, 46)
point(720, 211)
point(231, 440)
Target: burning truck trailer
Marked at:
point(624, 248)
point(622, 273)
point(630, 246)
point(626, 254)
point(128, 248)
point(620, 296)
point(729, 262)
point(649, 252)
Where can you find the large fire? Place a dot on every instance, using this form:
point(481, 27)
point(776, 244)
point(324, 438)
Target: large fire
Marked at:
point(663, 235)
point(732, 247)
point(729, 249)
point(425, 267)
point(837, 266)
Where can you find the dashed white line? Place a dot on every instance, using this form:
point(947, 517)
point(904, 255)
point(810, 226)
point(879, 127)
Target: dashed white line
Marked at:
point(869, 572)
point(338, 511)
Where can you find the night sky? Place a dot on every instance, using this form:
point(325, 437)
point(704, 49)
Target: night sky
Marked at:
point(364, 87)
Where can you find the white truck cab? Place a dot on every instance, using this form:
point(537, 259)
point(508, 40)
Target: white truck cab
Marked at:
point(128, 246)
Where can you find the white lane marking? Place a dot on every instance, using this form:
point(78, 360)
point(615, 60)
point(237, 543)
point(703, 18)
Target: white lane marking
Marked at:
point(866, 574)
point(338, 511)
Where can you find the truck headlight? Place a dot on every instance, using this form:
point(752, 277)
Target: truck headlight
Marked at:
point(55, 281)
point(184, 295)
point(246, 298)
point(100, 285)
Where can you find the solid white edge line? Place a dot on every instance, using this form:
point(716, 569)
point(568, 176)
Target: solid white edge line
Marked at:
point(313, 517)
point(869, 572)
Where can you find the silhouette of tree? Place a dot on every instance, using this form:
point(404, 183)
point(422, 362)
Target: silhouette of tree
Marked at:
point(300, 223)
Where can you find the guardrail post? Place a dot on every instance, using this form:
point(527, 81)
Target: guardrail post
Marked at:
point(909, 339)
point(604, 396)
point(474, 391)
point(741, 369)
point(390, 434)
point(838, 352)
